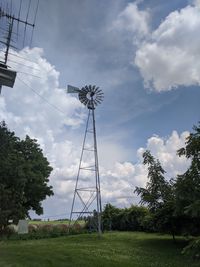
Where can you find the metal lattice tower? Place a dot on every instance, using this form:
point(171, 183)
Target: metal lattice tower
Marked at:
point(87, 194)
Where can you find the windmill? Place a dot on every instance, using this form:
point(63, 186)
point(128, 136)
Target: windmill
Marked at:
point(87, 194)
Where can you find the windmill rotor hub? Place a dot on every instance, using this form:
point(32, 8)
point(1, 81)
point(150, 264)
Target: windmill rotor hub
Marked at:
point(90, 96)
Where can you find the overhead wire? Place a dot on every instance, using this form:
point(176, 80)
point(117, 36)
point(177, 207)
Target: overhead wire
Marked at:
point(19, 13)
point(28, 10)
point(4, 30)
point(25, 25)
point(11, 4)
point(20, 57)
point(29, 74)
point(23, 64)
point(43, 98)
point(34, 22)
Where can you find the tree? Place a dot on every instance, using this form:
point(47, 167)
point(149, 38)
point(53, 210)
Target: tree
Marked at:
point(24, 173)
point(188, 184)
point(158, 196)
point(109, 215)
point(157, 189)
point(127, 219)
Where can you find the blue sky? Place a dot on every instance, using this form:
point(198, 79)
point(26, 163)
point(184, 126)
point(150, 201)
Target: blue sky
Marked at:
point(144, 55)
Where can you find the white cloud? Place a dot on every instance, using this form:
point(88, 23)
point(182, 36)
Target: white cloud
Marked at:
point(119, 181)
point(26, 113)
point(170, 58)
point(47, 118)
point(132, 20)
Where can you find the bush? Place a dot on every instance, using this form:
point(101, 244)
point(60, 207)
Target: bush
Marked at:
point(32, 228)
point(129, 219)
point(61, 228)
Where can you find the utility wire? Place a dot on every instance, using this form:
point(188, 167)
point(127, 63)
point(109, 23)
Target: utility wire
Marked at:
point(29, 74)
point(34, 23)
point(32, 61)
point(19, 13)
point(43, 98)
point(23, 64)
point(25, 25)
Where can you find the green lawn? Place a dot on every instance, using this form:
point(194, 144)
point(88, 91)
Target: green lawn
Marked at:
point(112, 249)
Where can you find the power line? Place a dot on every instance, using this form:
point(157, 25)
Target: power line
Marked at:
point(29, 74)
point(32, 61)
point(34, 22)
point(23, 64)
point(43, 98)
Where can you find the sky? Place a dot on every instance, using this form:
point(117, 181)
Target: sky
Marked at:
point(144, 55)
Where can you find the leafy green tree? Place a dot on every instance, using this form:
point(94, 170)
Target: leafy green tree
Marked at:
point(109, 215)
point(157, 190)
point(128, 219)
point(24, 173)
point(188, 184)
point(158, 196)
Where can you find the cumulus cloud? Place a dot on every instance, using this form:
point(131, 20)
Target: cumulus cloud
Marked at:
point(27, 113)
point(133, 20)
point(38, 107)
point(170, 57)
point(118, 182)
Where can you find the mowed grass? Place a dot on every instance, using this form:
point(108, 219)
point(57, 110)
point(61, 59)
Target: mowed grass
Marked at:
point(88, 250)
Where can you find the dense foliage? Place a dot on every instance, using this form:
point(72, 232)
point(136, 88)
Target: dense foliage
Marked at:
point(24, 173)
point(129, 219)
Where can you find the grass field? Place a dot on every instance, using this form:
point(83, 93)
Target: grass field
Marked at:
point(112, 249)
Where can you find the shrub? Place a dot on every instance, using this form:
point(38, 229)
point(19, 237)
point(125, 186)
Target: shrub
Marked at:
point(32, 228)
point(61, 228)
point(46, 228)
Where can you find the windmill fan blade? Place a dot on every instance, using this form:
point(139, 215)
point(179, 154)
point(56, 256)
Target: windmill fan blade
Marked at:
point(100, 93)
point(96, 103)
point(99, 102)
point(85, 91)
point(96, 89)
